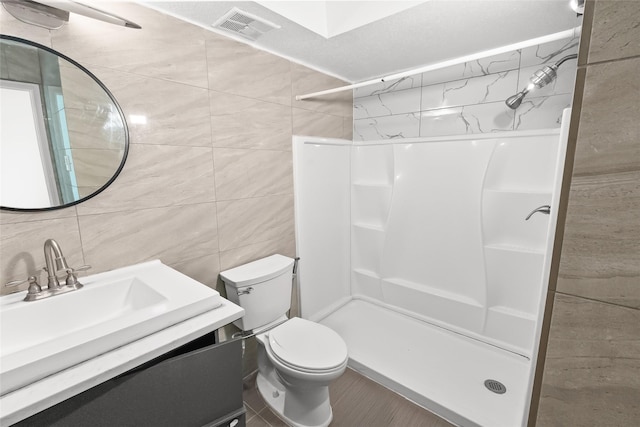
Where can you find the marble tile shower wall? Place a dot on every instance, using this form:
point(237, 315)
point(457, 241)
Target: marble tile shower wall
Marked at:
point(208, 183)
point(467, 98)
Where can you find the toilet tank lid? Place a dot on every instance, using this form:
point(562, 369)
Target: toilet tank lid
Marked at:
point(257, 271)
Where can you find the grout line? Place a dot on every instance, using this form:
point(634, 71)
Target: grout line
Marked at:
point(596, 300)
point(84, 259)
point(607, 61)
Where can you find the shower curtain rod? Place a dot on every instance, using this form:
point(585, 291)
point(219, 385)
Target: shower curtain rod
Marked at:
point(503, 49)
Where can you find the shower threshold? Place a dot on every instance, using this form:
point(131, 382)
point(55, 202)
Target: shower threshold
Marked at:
point(439, 370)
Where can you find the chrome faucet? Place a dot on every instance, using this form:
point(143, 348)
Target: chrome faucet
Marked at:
point(55, 262)
point(545, 209)
point(52, 252)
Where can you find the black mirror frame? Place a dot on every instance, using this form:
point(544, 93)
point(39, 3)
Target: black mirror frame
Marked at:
point(113, 99)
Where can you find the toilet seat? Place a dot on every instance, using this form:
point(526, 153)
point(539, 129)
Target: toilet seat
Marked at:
point(307, 346)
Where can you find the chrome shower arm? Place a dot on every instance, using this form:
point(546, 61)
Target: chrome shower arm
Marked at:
point(566, 58)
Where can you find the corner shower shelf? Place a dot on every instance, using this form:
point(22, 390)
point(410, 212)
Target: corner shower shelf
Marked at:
point(366, 272)
point(368, 226)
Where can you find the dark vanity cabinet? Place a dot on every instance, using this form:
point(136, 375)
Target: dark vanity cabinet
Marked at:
point(198, 384)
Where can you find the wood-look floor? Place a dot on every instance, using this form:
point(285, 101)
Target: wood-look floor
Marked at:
point(356, 401)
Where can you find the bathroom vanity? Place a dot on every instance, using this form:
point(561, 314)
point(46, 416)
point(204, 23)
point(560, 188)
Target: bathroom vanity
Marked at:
point(147, 372)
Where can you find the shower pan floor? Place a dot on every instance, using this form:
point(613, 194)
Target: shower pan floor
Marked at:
point(437, 369)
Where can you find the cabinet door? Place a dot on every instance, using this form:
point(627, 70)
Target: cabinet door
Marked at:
point(197, 388)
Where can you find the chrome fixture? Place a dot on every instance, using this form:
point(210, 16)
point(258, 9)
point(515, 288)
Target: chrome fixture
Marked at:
point(55, 262)
point(246, 291)
point(52, 14)
point(545, 209)
point(34, 292)
point(577, 6)
point(52, 252)
point(539, 79)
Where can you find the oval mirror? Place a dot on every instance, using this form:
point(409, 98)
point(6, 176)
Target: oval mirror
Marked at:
point(63, 136)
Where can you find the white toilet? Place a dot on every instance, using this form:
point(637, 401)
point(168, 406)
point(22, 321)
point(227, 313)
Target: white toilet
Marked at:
point(297, 358)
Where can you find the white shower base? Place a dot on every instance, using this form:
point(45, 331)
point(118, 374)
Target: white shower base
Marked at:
point(437, 369)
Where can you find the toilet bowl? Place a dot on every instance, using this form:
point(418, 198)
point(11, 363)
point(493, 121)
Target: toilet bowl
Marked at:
point(296, 363)
point(297, 358)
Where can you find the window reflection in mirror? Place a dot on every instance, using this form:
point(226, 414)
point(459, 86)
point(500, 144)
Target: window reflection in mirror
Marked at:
point(63, 137)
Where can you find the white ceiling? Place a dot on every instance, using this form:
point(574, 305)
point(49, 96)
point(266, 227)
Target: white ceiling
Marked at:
point(330, 18)
point(423, 34)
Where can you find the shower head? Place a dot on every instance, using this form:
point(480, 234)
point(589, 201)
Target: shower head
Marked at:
point(514, 101)
point(539, 79)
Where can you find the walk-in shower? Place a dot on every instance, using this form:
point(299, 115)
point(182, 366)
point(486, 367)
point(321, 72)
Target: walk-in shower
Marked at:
point(538, 80)
point(419, 253)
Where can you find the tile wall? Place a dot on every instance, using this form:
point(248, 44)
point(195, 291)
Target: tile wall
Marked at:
point(468, 98)
point(591, 374)
point(208, 181)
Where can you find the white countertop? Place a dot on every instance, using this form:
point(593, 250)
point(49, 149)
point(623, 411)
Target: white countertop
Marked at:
point(29, 400)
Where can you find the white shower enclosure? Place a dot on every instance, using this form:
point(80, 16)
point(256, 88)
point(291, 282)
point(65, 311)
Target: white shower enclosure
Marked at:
point(419, 254)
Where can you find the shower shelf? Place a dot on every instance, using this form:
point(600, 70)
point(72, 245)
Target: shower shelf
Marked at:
point(368, 226)
point(381, 184)
point(365, 272)
point(513, 248)
point(519, 191)
point(512, 312)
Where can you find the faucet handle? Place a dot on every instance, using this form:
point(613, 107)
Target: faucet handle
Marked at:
point(72, 279)
point(34, 287)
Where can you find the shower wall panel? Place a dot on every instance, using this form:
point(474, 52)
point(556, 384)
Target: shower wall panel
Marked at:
point(439, 231)
point(321, 170)
point(433, 244)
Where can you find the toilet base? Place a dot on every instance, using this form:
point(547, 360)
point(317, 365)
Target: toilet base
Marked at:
point(275, 396)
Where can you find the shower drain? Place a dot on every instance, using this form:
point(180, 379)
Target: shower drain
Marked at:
point(495, 386)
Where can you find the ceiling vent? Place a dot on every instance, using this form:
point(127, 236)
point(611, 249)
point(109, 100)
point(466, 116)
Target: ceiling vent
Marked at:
point(244, 24)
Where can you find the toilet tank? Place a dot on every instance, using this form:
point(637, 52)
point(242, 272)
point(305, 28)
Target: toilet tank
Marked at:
point(262, 288)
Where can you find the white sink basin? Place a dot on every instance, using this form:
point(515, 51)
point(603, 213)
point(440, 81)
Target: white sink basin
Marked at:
point(40, 338)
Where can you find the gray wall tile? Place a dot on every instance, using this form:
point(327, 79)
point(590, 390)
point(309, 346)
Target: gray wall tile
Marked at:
point(243, 70)
point(247, 221)
point(178, 55)
point(615, 32)
point(158, 111)
point(173, 234)
point(283, 245)
point(311, 123)
point(306, 80)
point(241, 174)
point(269, 127)
point(21, 248)
point(157, 175)
point(609, 125)
point(204, 269)
point(11, 217)
point(592, 369)
point(601, 248)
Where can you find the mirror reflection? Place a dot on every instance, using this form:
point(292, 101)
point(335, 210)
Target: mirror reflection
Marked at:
point(63, 136)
